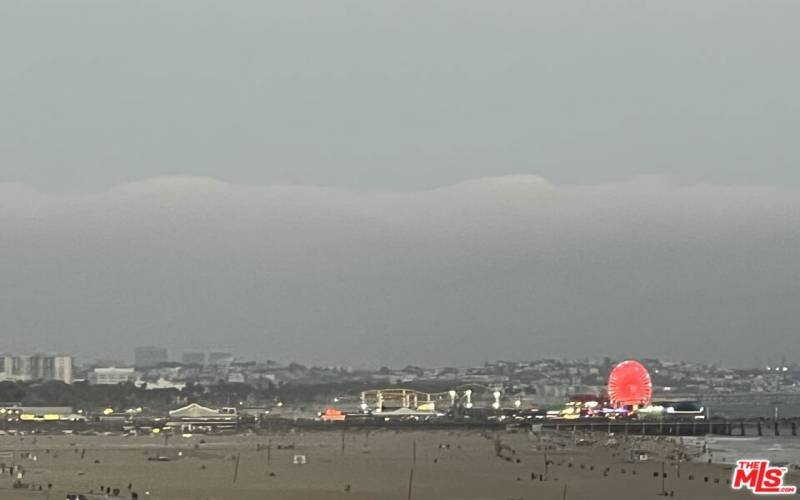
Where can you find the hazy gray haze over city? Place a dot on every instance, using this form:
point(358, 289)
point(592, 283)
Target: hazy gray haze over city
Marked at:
point(364, 183)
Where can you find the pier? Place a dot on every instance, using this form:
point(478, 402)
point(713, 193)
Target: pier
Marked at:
point(787, 427)
point(744, 427)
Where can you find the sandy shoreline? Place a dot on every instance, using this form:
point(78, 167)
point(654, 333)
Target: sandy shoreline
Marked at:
point(358, 465)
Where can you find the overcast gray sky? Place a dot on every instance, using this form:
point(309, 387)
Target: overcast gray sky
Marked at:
point(372, 182)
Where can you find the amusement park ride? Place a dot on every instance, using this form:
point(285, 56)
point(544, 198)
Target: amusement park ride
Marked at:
point(386, 401)
point(629, 385)
point(629, 395)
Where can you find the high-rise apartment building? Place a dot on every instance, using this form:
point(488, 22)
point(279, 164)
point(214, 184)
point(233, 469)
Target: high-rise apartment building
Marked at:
point(220, 358)
point(36, 367)
point(193, 358)
point(149, 356)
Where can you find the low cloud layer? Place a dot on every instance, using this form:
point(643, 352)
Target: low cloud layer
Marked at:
point(509, 267)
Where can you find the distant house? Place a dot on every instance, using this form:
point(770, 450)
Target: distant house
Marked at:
point(197, 418)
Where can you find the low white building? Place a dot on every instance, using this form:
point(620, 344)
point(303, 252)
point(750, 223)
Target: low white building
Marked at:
point(196, 418)
point(112, 375)
point(161, 383)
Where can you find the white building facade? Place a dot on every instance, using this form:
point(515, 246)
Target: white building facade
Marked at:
point(112, 376)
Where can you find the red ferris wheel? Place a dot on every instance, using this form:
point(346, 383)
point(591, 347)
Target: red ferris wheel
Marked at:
point(629, 384)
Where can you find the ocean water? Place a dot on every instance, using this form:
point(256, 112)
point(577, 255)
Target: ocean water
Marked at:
point(776, 449)
point(744, 410)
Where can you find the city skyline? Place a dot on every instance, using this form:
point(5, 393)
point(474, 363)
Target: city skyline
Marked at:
point(166, 357)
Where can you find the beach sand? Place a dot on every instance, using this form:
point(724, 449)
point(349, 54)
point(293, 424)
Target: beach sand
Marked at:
point(357, 465)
